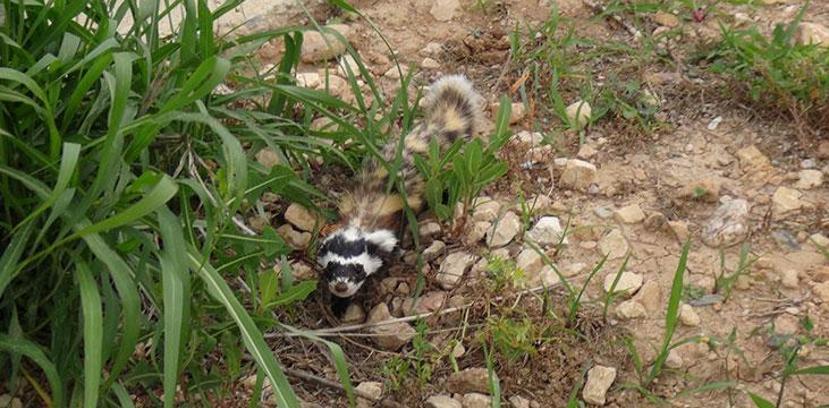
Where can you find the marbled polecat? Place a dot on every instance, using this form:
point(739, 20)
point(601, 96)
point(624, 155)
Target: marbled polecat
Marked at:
point(370, 216)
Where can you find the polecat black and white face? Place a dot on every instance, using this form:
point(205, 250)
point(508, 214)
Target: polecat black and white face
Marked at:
point(349, 256)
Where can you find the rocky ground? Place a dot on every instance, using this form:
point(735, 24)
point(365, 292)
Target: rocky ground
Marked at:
point(713, 171)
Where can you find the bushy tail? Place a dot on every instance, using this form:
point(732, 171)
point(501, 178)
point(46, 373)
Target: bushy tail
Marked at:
point(452, 110)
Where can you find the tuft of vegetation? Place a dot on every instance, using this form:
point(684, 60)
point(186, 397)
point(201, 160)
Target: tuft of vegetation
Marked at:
point(125, 182)
point(777, 73)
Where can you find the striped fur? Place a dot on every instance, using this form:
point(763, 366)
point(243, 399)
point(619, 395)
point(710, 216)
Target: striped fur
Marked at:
point(370, 216)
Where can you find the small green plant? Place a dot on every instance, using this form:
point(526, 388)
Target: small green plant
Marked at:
point(790, 347)
point(698, 193)
point(420, 363)
point(776, 72)
point(423, 352)
point(395, 371)
point(574, 298)
point(503, 273)
point(630, 103)
point(725, 281)
point(612, 294)
point(459, 174)
point(692, 292)
point(671, 316)
point(512, 338)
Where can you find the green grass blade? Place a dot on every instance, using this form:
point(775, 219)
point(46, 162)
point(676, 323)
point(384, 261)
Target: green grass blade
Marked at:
point(122, 395)
point(176, 291)
point(251, 335)
point(69, 161)
point(817, 370)
point(122, 277)
point(33, 352)
point(92, 333)
point(165, 190)
point(502, 132)
point(759, 401)
point(340, 362)
point(11, 256)
point(672, 314)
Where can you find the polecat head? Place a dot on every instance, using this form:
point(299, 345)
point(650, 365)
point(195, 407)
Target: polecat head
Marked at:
point(350, 255)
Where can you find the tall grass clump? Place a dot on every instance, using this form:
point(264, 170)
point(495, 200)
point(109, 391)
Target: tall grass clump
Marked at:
point(777, 72)
point(123, 164)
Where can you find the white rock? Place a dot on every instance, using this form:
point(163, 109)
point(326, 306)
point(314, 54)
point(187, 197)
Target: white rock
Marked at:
point(578, 114)
point(649, 296)
point(715, 123)
point(630, 214)
point(650, 99)
point(728, 225)
point(547, 277)
point(486, 209)
point(476, 400)
point(428, 302)
point(809, 179)
point(573, 269)
point(821, 290)
point(296, 239)
point(429, 63)
point(680, 230)
point(300, 217)
point(504, 230)
point(614, 245)
point(547, 231)
point(394, 73)
point(688, 316)
point(586, 152)
point(789, 278)
point(459, 350)
point(786, 325)
point(315, 48)
point(674, 360)
point(267, 158)
point(476, 231)
point(300, 270)
point(812, 33)
point(369, 388)
point(6, 400)
point(751, 158)
point(518, 401)
point(528, 138)
point(442, 401)
point(428, 230)
point(354, 314)
point(308, 79)
point(475, 379)
point(390, 337)
point(819, 240)
point(444, 10)
point(517, 113)
point(630, 309)
point(628, 283)
point(599, 380)
point(578, 174)
point(530, 262)
point(453, 268)
point(786, 201)
point(432, 49)
point(434, 250)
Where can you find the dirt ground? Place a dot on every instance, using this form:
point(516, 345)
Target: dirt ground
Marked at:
point(704, 139)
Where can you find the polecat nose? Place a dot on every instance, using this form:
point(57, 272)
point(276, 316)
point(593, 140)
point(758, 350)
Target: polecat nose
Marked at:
point(341, 287)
